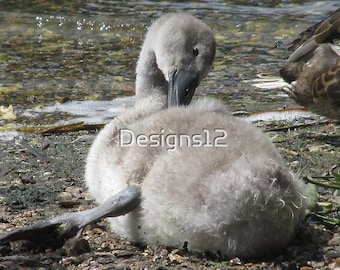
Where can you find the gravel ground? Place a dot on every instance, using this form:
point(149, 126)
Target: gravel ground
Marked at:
point(42, 176)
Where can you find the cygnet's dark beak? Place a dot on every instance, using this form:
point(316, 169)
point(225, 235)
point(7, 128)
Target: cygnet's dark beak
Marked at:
point(182, 86)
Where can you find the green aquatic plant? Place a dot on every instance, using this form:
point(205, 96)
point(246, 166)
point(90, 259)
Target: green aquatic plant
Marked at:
point(327, 212)
point(332, 181)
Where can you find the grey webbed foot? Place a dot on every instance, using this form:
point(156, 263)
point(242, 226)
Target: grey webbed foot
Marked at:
point(57, 230)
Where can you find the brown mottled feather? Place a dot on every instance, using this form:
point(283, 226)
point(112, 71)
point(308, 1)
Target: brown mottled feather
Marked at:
point(313, 69)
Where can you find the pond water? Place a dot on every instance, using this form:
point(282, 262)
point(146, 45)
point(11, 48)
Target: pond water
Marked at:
point(71, 58)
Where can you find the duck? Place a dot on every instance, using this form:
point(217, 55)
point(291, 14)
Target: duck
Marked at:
point(181, 172)
point(209, 182)
point(313, 68)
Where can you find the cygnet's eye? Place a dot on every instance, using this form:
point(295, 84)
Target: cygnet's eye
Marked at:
point(195, 51)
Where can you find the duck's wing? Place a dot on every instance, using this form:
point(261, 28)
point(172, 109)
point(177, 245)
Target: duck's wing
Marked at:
point(329, 29)
point(327, 86)
point(303, 37)
point(322, 32)
point(58, 229)
point(304, 46)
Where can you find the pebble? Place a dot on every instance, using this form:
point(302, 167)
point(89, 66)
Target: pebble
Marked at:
point(335, 241)
point(306, 268)
point(76, 246)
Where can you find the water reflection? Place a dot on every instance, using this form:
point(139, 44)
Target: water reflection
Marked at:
point(87, 50)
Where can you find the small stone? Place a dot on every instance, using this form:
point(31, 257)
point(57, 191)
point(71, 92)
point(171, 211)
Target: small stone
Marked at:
point(333, 254)
point(235, 261)
point(76, 246)
point(97, 230)
point(306, 268)
point(173, 257)
point(68, 203)
point(335, 241)
point(337, 261)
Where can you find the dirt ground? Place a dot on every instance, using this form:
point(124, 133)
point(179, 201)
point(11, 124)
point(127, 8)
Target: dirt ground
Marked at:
point(42, 176)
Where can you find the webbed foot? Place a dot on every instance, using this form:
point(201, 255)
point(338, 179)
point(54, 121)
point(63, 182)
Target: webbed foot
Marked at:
point(58, 229)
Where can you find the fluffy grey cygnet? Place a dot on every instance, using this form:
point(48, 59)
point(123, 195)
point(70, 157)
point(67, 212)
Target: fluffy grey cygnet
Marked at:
point(209, 181)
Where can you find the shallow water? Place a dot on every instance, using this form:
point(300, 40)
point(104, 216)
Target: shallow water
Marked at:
point(73, 51)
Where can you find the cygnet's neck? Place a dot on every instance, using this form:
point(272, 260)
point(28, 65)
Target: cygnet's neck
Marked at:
point(150, 80)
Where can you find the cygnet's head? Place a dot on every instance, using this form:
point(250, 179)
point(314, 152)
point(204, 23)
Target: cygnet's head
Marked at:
point(177, 54)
